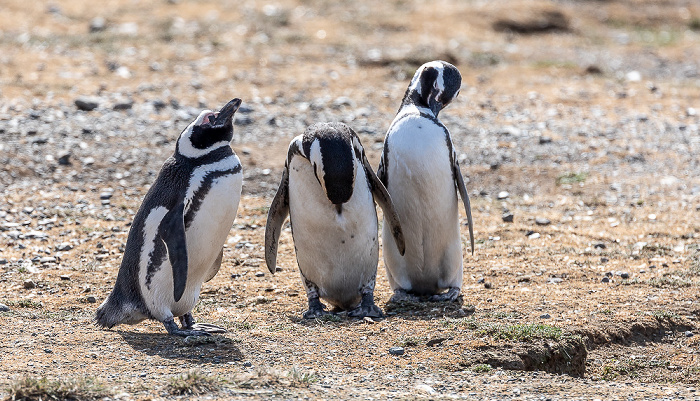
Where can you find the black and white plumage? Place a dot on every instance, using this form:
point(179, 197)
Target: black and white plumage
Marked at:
point(176, 239)
point(420, 170)
point(328, 189)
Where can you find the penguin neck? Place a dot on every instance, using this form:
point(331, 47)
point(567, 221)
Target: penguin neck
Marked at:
point(412, 103)
point(211, 157)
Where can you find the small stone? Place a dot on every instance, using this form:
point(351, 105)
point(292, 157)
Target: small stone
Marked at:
point(554, 280)
point(86, 103)
point(4, 308)
point(259, 274)
point(64, 246)
point(368, 319)
point(488, 285)
point(48, 351)
point(534, 235)
point(541, 221)
point(624, 275)
point(396, 351)
point(105, 195)
point(29, 284)
point(98, 24)
point(599, 245)
point(64, 158)
point(691, 112)
point(633, 76)
point(247, 364)
point(604, 260)
point(502, 195)
point(687, 333)
point(545, 140)
point(605, 280)
point(91, 299)
point(65, 277)
point(545, 316)
point(481, 280)
point(278, 269)
point(88, 161)
point(3, 261)
point(507, 217)
point(123, 105)
point(47, 259)
point(524, 279)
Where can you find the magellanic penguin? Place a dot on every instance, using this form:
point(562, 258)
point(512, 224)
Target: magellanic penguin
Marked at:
point(327, 189)
point(176, 239)
point(421, 172)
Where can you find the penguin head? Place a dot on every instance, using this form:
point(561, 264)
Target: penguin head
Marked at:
point(433, 86)
point(209, 131)
point(329, 149)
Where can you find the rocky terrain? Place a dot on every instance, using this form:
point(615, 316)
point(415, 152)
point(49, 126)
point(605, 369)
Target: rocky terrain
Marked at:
point(577, 128)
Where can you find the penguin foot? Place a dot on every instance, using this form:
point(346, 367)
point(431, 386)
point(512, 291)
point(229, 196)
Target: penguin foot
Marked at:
point(450, 296)
point(366, 311)
point(188, 323)
point(403, 296)
point(367, 308)
point(174, 330)
point(316, 309)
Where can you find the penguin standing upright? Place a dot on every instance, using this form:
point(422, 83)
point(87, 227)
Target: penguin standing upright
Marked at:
point(176, 239)
point(327, 189)
point(420, 170)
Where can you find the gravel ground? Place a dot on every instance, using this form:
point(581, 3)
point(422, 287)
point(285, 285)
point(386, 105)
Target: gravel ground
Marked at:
point(586, 134)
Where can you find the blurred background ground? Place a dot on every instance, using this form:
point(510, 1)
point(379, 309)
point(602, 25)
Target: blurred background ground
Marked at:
point(579, 118)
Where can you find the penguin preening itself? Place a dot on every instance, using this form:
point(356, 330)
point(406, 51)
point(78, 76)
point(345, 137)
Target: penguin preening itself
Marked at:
point(176, 239)
point(421, 172)
point(328, 189)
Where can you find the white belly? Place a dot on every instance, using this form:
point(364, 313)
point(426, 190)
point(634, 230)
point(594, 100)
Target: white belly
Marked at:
point(422, 188)
point(337, 252)
point(205, 237)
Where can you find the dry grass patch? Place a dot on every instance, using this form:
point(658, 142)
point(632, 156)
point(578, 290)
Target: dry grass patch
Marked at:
point(30, 388)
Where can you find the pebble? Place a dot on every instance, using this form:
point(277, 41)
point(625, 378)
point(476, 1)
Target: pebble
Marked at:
point(91, 299)
point(4, 308)
point(3, 261)
point(105, 195)
point(396, 351)
point(64, 246)
point(545, 140)
point(29, 284)
point(533, 235)
point(86, 103)
point(98, 24)
point(247, 364)
point(624, 275)
point(554, 280)
point(488, 285)
point(64, 158)
point(605, 280)
point(545, 316)
point(687, 333)
point(507, 217)
point(502, 195)
point(599, 245)
point(64, 277)
point(541, 221)
point(259, 274)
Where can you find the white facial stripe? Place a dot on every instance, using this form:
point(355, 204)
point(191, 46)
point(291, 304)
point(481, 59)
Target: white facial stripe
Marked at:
point(200, 172)
point(317, 160)
point(185, 143)
point(150, 231)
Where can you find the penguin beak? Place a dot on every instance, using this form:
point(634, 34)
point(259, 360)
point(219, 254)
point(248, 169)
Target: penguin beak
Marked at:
point(225, 116)
point(434, 105)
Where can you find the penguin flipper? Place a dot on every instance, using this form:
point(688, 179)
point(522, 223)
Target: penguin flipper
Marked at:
point(459, 181)
point(279, 209)
point(382, 197)
point(216, 266)
point(172, 231)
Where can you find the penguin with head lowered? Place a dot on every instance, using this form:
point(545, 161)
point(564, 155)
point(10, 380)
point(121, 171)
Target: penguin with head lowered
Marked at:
point(176, 239)
point(328, 188)
point(421, 172)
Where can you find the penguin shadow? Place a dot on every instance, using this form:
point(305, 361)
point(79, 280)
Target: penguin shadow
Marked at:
point(427, 310)
point(205, 350)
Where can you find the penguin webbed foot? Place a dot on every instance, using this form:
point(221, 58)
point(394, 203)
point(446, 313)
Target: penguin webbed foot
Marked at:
point(367, 308)
point(174, 330)
point(451, 295)
point(316, 309)
point(188, 323)
point(403, 296)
